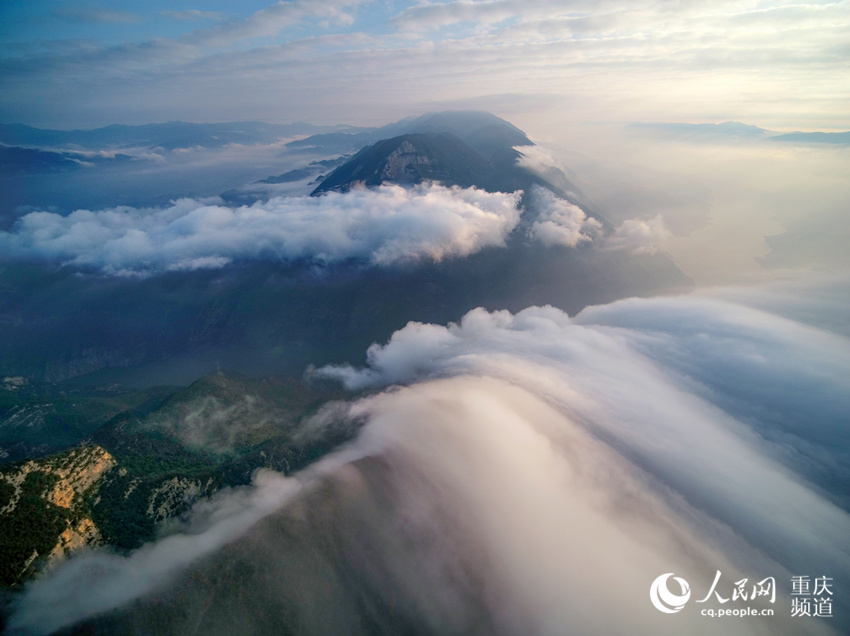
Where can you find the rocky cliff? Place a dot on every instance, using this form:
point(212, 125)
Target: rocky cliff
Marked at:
point(44, 515)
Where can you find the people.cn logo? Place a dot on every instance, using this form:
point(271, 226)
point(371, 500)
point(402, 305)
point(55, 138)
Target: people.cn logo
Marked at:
point(663, 599)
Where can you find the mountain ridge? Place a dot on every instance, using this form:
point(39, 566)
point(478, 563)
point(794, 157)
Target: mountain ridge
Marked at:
point(169, 135)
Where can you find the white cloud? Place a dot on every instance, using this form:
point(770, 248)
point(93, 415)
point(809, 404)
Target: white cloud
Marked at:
point(663, 380)
point(383, 226)
point(273, 19)
point(537, 473)
point(538, 159)
point(559, 222)
point(778, 65)
point(640, 236)
point(489, 481)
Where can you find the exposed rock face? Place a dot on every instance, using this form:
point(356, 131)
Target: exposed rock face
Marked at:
point(77, 471)
point(81, 470)
point(411, 159)
point(43, 514)
point(401, 161)
point(75, 538)
point(173, 496)
point(13, 383)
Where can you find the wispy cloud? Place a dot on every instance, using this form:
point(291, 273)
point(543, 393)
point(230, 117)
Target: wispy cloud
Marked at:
point(86, 14)
point(273, 19)
point(640, 236)
point(709, 61)
point(191, 15)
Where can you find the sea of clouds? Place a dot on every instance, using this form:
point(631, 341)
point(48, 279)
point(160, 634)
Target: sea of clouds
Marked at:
point(384, 225)
point(542, 470)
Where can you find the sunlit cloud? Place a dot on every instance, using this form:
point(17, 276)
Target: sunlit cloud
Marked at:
point(559, 222)
point(383, 226)
point(640, 236)
point(509, 465)
point(778, 64)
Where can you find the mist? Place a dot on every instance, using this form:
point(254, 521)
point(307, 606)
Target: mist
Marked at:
point(147, 177)
point(525, 473)
point(727, 209)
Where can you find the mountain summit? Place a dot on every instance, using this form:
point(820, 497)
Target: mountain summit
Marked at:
point(456, 148)
point(483, 131)
point(410, 159)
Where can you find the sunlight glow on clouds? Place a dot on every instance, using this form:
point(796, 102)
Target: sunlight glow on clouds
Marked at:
point(385, 225)
point(636, 370)
point(545, 455)
point(778, 63)
point(559, 222)
point(640, 236)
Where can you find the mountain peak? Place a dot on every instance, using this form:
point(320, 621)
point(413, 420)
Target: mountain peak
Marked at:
point(409, 159)
point(487, 134)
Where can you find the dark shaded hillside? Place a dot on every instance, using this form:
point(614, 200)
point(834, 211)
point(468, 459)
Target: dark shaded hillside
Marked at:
point(316, 567)
point(279, 317)
point(37, 419)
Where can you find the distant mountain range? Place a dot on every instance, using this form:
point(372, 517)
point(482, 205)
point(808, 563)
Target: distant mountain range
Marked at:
point(28, 150)
point(17, 161)
point(841, 138)
point(486, 136)
point(170, 135)
point(736, 131)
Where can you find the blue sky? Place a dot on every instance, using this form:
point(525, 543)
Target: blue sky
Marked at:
point(777, 64)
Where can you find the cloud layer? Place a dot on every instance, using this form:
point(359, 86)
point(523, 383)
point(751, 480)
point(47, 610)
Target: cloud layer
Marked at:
point(778, 63)
point(532, 474)
point(559, 222)
point(688, 387)
point(383, 226)
point(640, 236)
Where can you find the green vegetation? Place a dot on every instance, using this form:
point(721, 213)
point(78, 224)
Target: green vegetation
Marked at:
point(7, 491)
point(41, 419)
point(34, 527)
point(170, 452)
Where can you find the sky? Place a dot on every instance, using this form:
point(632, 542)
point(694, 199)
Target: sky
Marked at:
point(781, 65)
